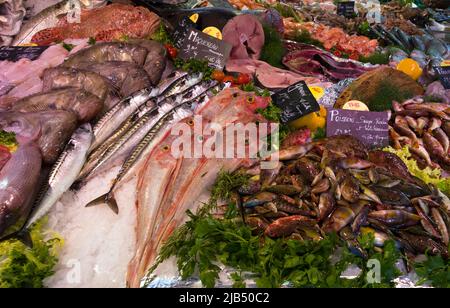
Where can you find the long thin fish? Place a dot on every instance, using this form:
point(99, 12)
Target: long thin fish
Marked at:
point(138, 131)
point(148, 142)
point(117, 120)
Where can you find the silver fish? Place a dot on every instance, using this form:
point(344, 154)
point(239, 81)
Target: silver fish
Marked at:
point(64, 172)
point(114, 118)
point(181, 85)
point(148, 142)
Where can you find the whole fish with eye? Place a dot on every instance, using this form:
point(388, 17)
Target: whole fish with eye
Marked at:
point(162, 125)
point(64, 172)
point(134, 135)
point(117, 117)
point(49, 17)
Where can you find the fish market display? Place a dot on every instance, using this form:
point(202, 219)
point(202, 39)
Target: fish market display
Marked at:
point(279, 144)
point(337, 185)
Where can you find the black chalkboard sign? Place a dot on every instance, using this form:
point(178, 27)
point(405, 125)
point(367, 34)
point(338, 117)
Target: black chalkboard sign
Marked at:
point(444, 75)
point(346, 8)
point(201, 46)
point(296, 101)
point(371, 128)
point(185, 24)
point(15, 53)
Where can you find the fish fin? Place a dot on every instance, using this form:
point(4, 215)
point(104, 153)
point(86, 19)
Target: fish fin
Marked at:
point(108, 199)
point(98, 201)
point(111, 201)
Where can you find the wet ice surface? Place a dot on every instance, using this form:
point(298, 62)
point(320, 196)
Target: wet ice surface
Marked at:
point(98, 244)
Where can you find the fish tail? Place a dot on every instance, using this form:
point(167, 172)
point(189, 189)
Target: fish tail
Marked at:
point(108, 199)
point(23, 236)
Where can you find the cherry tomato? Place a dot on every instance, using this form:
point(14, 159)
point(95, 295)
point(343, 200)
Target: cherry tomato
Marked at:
point(354, 56)
point(173, 52)
point(218, 75)
point(228, 79)
point(243, 79)
point(337, 53)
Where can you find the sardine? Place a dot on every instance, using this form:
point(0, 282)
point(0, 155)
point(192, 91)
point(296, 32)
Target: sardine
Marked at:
point(64, 172)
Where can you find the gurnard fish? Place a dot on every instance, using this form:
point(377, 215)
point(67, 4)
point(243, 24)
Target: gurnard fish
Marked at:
point(19, 181)
point(168, 186)
point(133, 136)
point(64, 173)
point(134, 146)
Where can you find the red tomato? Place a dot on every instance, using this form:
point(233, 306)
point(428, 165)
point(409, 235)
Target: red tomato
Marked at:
point(243, 79)
point(173, 52)
point(218, 75)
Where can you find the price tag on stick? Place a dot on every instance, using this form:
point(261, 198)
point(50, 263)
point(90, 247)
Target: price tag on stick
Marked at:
point(296, 101)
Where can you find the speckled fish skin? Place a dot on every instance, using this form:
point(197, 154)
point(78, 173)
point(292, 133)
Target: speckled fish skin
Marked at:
point(105, 52)
point(84, 105)
point(19, 180)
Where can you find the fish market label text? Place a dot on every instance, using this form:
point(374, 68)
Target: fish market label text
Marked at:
point(200, 46)
point(371, 128)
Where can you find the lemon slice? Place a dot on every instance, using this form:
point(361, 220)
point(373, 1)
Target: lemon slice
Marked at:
point(214, 32)
point(194, 18)
point(317, 92)
point(410, 68)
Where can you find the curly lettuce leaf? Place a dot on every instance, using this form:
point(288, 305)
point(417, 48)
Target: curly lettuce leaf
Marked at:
point(24, 267)
point(428, 175)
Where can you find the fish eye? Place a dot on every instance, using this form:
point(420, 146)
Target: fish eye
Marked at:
point(250, 99)
point(190, 122)
point(166, 148)
point(235, 95)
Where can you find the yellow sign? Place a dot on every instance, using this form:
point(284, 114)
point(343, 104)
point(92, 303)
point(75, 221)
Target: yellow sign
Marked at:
point(194, 18)
point(445, 63)
point(28, 45)
point(317, 92)
point(355, 105)
point(214, 32)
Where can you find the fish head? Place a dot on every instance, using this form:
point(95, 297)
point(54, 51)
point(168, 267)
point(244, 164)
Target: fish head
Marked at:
point(25, 126)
